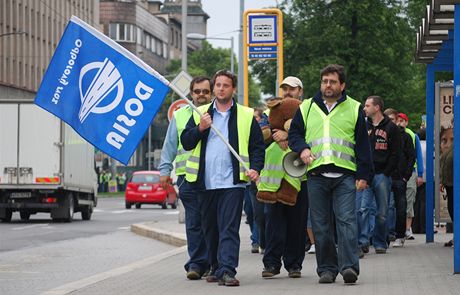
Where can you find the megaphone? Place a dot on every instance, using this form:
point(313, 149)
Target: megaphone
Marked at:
point(293, 165)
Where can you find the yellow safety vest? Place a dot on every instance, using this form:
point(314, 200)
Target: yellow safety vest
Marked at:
point(181, 116)
point(331, 137)
point(412, 135)
point(245, 116)
point(273, 172)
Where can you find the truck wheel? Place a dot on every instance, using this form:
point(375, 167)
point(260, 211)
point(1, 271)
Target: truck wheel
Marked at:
point(87, 212)
point(69, 207)
point(128, 205)
point(138, 205)
point(8, 215)
point(24, 215)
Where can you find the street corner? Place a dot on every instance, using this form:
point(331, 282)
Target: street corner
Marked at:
point(155, 231)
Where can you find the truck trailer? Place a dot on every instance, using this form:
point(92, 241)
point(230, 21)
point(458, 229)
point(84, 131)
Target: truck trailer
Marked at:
point(45, 166)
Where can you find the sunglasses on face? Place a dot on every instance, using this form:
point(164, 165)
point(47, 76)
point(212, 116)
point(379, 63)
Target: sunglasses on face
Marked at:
point(199, 91)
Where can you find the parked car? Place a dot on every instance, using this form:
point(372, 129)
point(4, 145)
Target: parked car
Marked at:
point(144, 187)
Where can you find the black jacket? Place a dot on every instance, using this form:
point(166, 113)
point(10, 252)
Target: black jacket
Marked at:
point(192, 135)
point(385, 140)
point(407, 157)
point(362, 150)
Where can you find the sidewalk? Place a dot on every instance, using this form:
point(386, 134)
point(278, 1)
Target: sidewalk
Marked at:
point(418, 268)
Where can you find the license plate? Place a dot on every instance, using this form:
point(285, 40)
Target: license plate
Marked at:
point(145, 188)
point(21, 195)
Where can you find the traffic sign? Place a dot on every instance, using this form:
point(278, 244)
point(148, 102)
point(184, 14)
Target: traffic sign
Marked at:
point(260, 49)
point(262, 29)
point(268, 55)
point(175, 106)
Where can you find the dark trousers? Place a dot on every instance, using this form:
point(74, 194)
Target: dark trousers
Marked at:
point(258, 209)
point(419, 221)
point(286, 231)
point(399, 192)
point(221, 211)
point(196, 245)
point(450, 201)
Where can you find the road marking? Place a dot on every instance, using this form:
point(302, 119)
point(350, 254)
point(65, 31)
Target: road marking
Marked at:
point(30, 226)
point(122, 211)
point(77, 285)
point(124, 228)
point(172, 213)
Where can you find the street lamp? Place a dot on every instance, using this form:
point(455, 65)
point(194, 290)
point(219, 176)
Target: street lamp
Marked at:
point(195, 36)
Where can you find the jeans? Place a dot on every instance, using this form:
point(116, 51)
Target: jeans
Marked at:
point(400, 203)
point(221, 211)
point(381, 187)
point(366, 207)
point(250, 216)
point(338, 195)
point(196, 245)
point(258, 209)
point(286, 232)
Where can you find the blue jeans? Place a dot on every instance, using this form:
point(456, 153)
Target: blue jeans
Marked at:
point(365, 205)
point(381, 188)
point(259, 214)
point(221, 211)
point(250, 216)
point(338, 196)
point(391, 215)
point(196, 244)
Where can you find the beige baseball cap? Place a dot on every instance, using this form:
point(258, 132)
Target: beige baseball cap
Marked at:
point(292, 81)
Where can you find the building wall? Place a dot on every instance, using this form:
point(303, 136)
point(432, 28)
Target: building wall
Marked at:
point(37, 27)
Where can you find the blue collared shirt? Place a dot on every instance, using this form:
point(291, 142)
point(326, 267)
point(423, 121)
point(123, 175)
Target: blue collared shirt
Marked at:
point(219, 172)
point(169, 150)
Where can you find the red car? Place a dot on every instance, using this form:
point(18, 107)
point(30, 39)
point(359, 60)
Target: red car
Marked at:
point(144, 188)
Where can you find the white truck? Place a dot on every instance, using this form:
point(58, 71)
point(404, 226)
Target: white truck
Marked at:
point(45, 165)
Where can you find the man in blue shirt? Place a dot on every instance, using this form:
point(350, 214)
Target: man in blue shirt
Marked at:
point(198, 264)
point(218, 174)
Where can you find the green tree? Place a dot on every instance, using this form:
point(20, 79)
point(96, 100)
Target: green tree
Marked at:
point(207, 61)
point(373, 39)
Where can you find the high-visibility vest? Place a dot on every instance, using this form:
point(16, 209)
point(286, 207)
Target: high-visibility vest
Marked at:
point(412, 135)
point(331, 137)
point(245, 116)
point(273, 172)
point(181, 116)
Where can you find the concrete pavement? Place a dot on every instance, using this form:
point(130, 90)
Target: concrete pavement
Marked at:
point(418, 268)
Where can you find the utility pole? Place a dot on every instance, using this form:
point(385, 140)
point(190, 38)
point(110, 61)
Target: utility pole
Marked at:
point(240, 57)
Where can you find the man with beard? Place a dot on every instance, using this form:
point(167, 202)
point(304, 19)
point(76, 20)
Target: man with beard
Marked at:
point(198, 264)
point(329, 133)
point(217, 174)
point(286, 225)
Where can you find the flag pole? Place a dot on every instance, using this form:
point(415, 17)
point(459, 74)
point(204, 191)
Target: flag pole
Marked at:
point(232, 150)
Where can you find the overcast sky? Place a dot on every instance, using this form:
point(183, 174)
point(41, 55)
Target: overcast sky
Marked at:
point(224, 18)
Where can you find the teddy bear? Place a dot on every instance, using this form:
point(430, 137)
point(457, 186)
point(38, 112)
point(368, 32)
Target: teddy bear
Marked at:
point(270, 188)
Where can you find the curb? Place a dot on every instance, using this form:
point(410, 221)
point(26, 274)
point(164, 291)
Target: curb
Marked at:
point(175, 239)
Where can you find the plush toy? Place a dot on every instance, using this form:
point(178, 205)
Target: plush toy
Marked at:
point(275, 185)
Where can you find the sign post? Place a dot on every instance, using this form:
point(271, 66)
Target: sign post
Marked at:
point(262, 39)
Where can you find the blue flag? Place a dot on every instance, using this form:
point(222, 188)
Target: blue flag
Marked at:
point(108, 95)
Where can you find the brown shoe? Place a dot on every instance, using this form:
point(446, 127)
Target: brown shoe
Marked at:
point(229, 281)
point(211, 278)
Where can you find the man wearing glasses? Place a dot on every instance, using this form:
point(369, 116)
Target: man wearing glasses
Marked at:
point(198, 264)
point(218, 176)
point(329, 133)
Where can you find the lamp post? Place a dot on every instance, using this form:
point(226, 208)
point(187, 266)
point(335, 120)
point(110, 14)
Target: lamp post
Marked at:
point(195, 36)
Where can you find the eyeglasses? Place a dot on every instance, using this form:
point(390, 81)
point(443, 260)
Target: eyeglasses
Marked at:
point(332, 82)
point(199, 91)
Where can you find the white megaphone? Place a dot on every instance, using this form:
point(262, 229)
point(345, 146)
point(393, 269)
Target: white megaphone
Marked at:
point(293, 165)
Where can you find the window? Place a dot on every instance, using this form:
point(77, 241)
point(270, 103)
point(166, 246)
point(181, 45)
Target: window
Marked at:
point(122, 32)
point(139, 36)
point(165, 50)
point(148, 41)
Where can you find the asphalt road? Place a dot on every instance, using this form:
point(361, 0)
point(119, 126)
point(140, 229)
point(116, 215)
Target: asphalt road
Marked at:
point(38, 255)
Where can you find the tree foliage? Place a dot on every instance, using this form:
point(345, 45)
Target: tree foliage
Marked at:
point(373, 39)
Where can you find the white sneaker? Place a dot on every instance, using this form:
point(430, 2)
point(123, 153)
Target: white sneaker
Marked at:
point(312, 249)
point(398, 243)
